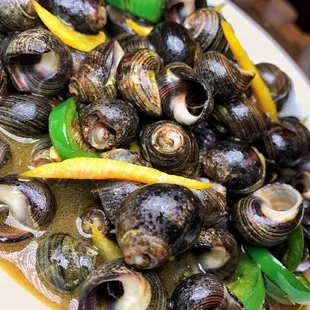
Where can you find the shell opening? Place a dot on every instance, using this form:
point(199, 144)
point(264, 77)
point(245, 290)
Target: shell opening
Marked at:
point(302, 184)
point(182, 9)
point(280, 201)
point(118, 54)
point(28, 69)
point(101, 137)
point(127, 291)
point(216, 258)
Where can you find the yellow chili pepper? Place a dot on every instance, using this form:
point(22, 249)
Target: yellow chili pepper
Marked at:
point(84, 168)
point(133, 146)
point(77, 40)
point(219, 7)
point(107, 249)
point(259, 88)
point(139, 29)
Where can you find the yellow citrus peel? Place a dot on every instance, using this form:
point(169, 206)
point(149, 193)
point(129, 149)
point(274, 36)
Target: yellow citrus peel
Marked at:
point(69, 36)
point(259, 88)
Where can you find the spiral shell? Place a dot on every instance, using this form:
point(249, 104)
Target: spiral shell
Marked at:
point(136, 80)
point(227, 79)
point(241, 119)
point(5, 153)
point(64, 262)
point(124, 288)
point(25, 115)
point(40, 154)
point(205, 27)
point(278, 82)
point(133, 42)
point(17, 15)
point(203, 291)
point(269, 215)
point(3, 78)
point(96, 77)
point(108, 123)
point(184, 95)
point(157, 221)
point(38, 62)
point(170, 148)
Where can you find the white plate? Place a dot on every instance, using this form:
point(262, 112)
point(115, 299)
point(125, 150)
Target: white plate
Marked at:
point(261, 47)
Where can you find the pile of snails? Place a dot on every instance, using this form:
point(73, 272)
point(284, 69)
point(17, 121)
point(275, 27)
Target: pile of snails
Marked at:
point(179, 94)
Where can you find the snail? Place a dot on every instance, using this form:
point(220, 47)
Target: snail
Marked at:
point(205, 27)
point(84, 16)
point(228, 80)
point(109, 123)
point(30, 203)
point(25, 115)
point(38, 62)
point(133, 42)
point(5, 153)
point(136, 80)
point(64, 262)
point(172, 43)
point(114, 285)
point(269, 215)
point(40, 154)
point(170, 148)
point(95, 78)
point(157, 221)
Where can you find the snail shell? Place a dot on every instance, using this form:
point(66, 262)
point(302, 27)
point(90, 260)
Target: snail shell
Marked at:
point(217, 252)
point(38, 62)
point(17, 15)
point(3, 79)
point(108, 123)
point(30, 203)
point(157, 221)
point(240, 168)
point(133, 42)
point(228, 80)
point(170, 148)
point(278, 82)
point(241, 119)
point(172, 43)
point(40, 154)
point(25, 115)
point(85, 16)
point(64, 262)
point(136, 80)
point(301, 182)
point(96, 77)
point(269, 215)
point(205, 27)
point(184, 95)
point(178, 10)
point(124, 288)
point(5, 153)
point(203, 291)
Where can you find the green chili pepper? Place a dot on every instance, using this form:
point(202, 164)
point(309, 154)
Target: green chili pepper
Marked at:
point(295, 249)
point(61, 120)
point(279, 275)
point(247, 283)
point(151, 10)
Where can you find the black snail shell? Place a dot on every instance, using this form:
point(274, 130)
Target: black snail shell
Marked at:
point(178, 10)
point(238, 167)
point(158, 221)
point(40, 154)
point(3, 79)
point(108, 123)
point(206, 136)
point(5, 153)
point(133, 42)
point(84, 16)
point(38, 62)
point(170, 148)
point(205, 27)
point(136, 80)
point(31, 203)
point(283, 146)
point(64, 262)
point(185, 97)
point(228, 80)
point(213, 200)
point(269, 215)
point(17, 15)
point(278, 82)
point(25, 115)
point(172, 43)
point(217, 252)
point(203, 291)
point(114, 285)
point(96, 76)
point(240, 119)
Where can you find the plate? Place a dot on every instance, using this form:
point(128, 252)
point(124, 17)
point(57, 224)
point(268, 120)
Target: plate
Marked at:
point(261, 47)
